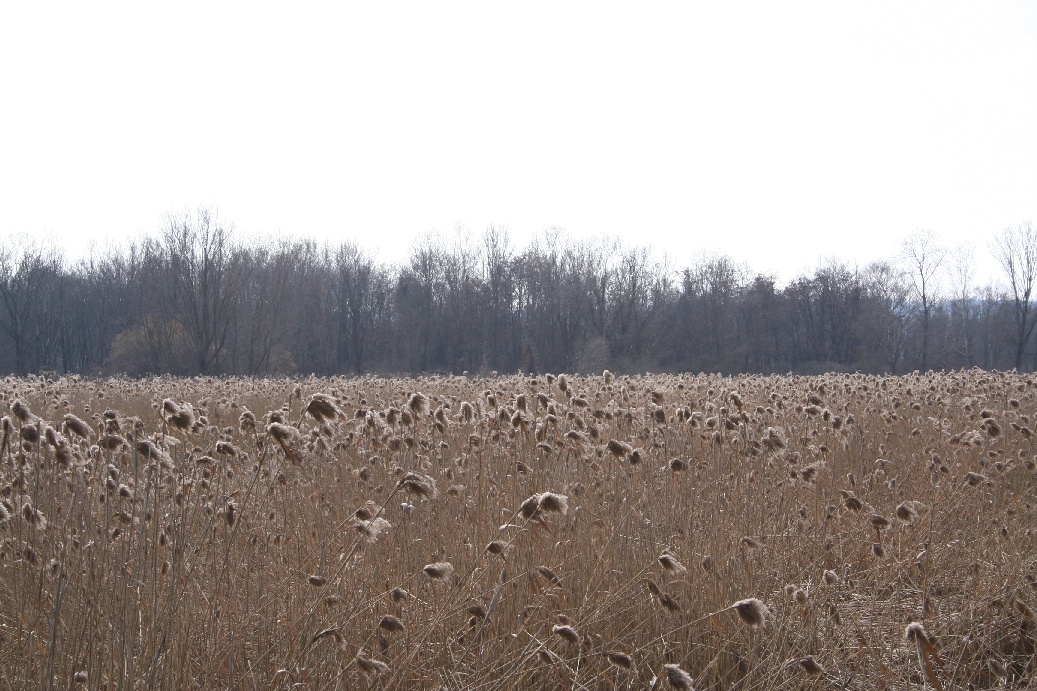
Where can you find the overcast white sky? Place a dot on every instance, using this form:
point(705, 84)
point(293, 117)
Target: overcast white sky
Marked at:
point(775, 132)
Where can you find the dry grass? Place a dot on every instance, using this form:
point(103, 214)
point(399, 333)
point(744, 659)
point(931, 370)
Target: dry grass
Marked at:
point(843, 531)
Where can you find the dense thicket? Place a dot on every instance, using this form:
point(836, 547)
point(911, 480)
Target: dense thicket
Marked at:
point(200, 299)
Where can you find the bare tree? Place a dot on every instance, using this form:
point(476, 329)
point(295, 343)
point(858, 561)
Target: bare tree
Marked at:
point(962, 276)
point(889, 287)
point(28, 273)
point(1015, 249)
point(924, 255)
point(205, 272)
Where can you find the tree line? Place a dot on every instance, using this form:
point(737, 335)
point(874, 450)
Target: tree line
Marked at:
point(198, 299)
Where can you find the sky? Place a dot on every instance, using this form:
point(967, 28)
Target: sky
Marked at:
point(778, 133)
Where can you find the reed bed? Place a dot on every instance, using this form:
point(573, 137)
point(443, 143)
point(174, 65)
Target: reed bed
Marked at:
point(606, 532)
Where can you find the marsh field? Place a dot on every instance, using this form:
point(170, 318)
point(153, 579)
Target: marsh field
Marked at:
point(514, 532)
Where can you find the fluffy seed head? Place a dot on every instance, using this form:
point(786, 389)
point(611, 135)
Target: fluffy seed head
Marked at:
point(879, 522)
point(548, 575)
point(752, 611)
point(906, 513)
point(915, 631)
point(974, 479)
point(391, 624)
point(33, 517)
point(670, 563)
point(322, 407)
point(554, 503)
point(76, 426)
point(420, 485)
point(21, 411)
point(567, 633)
point(439, 571)
point(372, 529)
point(371, 666)
point(811, 666)
point(677, 678)
point(417, 403)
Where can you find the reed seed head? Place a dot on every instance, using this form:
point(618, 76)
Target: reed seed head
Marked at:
point(677, 678)
point(566, 633)
point(752, 612)
point(439, 571)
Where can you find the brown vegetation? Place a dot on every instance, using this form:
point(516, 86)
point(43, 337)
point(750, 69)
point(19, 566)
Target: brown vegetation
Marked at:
point(842, 531)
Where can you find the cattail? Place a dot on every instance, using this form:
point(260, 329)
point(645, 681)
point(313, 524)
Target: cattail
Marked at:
point(832, 578)
point(391, 624)
point(621, 660)
point(852, 502)
point(30, 433)
point(811, 666)
point(752, 611)
point(879, 522)
point(439, 571)
point(677, 465)
point(371, 666)
point(567, 633)
point(997, 668)
point(316, 581)
point(147, 448)
point(125, 492)
point(800, 597)
point(76, 426)
point(322, 407)
point(398, 595)
point(670, 563)
point(368, 511)
point(496, 547)
point(334, 632)
point(974, 479)
point(554, 503)
point(282, 433)
point(247, 421)
point(111, 442)
point(80, 678)
point(417, 403)
point(678, 678)
point(750, 543)
point(420, 485)
point(529, 507)
point(5, 513)
point(33, 516)
point(916, 631)
point(668, 603)
point(548, 575)
point(21, 411)
point(372, 529)
point(878, 550)
point(906, 513)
